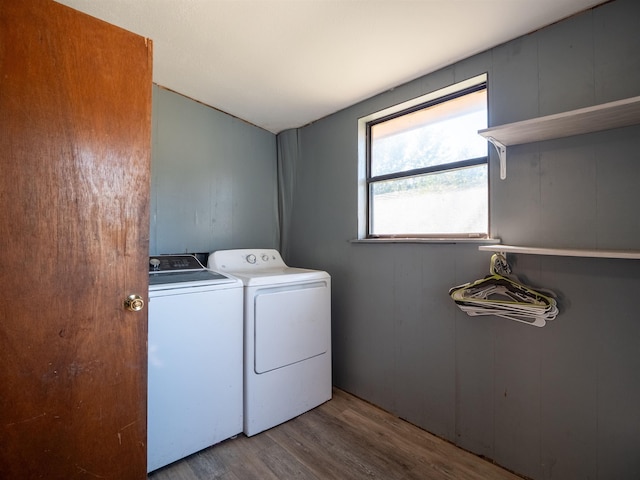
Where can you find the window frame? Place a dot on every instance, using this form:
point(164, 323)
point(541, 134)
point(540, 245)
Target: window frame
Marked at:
point(366, 181)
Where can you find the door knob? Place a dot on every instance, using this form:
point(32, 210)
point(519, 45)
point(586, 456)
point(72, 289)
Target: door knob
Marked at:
point(135, 303)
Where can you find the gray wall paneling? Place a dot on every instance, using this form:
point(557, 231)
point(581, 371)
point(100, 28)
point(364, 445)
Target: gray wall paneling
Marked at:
point(213, 179)
point(616, 47)
point(567, 166)
point(618, 395)
point(568, 395)
point(556, 402)
point(616, 163)
point(566, 65)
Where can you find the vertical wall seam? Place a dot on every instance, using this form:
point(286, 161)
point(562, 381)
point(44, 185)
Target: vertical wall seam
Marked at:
point(594, 149)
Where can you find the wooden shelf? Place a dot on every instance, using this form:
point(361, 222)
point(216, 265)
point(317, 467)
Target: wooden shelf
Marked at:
point(563, 252)
point(621, 113)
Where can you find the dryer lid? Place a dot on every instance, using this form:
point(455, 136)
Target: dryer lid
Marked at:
point(287, 275)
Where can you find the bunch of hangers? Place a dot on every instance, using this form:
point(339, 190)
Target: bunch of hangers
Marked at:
point(505, 297)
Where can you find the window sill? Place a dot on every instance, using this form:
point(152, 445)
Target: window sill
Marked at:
point(427, 240)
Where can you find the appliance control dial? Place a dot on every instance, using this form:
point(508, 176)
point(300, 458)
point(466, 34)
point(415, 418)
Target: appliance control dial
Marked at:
point(265, 257)
point(251, 258)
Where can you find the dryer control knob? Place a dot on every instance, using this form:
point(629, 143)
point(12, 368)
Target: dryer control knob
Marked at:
point(265, 257)
point(251, 258)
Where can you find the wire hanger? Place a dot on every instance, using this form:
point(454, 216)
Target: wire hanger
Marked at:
point(499, 295)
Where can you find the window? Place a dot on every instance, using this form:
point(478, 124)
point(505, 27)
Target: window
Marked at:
point(426, 167)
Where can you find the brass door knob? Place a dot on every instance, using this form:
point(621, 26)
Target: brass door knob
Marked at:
point(135, 303)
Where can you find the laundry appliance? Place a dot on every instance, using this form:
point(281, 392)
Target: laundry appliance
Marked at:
point(195, 358)
point(287, 335)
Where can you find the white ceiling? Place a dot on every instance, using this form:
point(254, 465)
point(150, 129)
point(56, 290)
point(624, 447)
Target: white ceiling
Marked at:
point(281, 64)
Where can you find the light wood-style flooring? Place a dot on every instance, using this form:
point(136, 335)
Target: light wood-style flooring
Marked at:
point(344, 439)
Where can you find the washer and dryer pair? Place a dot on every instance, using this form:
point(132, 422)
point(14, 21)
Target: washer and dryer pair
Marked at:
point(239, 351)
point(287, 335)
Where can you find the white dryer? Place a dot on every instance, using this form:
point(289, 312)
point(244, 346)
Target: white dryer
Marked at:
point(287, 335)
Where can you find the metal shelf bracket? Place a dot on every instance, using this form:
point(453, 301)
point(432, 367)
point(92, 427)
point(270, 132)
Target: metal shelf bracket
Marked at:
point(501, 148)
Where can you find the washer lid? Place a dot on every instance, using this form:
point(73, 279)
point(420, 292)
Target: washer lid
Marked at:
point(203, 275)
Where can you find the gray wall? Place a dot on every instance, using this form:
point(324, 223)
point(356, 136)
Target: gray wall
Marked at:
point(213, 179)
point(561, 401)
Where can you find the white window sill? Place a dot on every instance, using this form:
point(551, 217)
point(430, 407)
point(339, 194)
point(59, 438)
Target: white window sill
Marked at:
point(427, 240)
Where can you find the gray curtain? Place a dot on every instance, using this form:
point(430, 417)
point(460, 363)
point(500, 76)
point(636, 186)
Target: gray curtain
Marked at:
point(288, 154)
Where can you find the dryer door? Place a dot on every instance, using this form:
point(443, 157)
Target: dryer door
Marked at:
point(292, 323)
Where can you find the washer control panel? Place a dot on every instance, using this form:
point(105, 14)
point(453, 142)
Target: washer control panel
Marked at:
point(168, 263)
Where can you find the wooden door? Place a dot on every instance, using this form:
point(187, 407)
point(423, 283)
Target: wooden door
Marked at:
point(75, 106)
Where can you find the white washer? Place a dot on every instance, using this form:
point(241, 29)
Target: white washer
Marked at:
point(287, 336)
point(195, 359)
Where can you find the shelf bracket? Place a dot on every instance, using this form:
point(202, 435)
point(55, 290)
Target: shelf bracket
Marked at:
point(501, 148)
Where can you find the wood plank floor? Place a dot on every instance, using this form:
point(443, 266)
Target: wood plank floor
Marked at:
point(346, 438)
